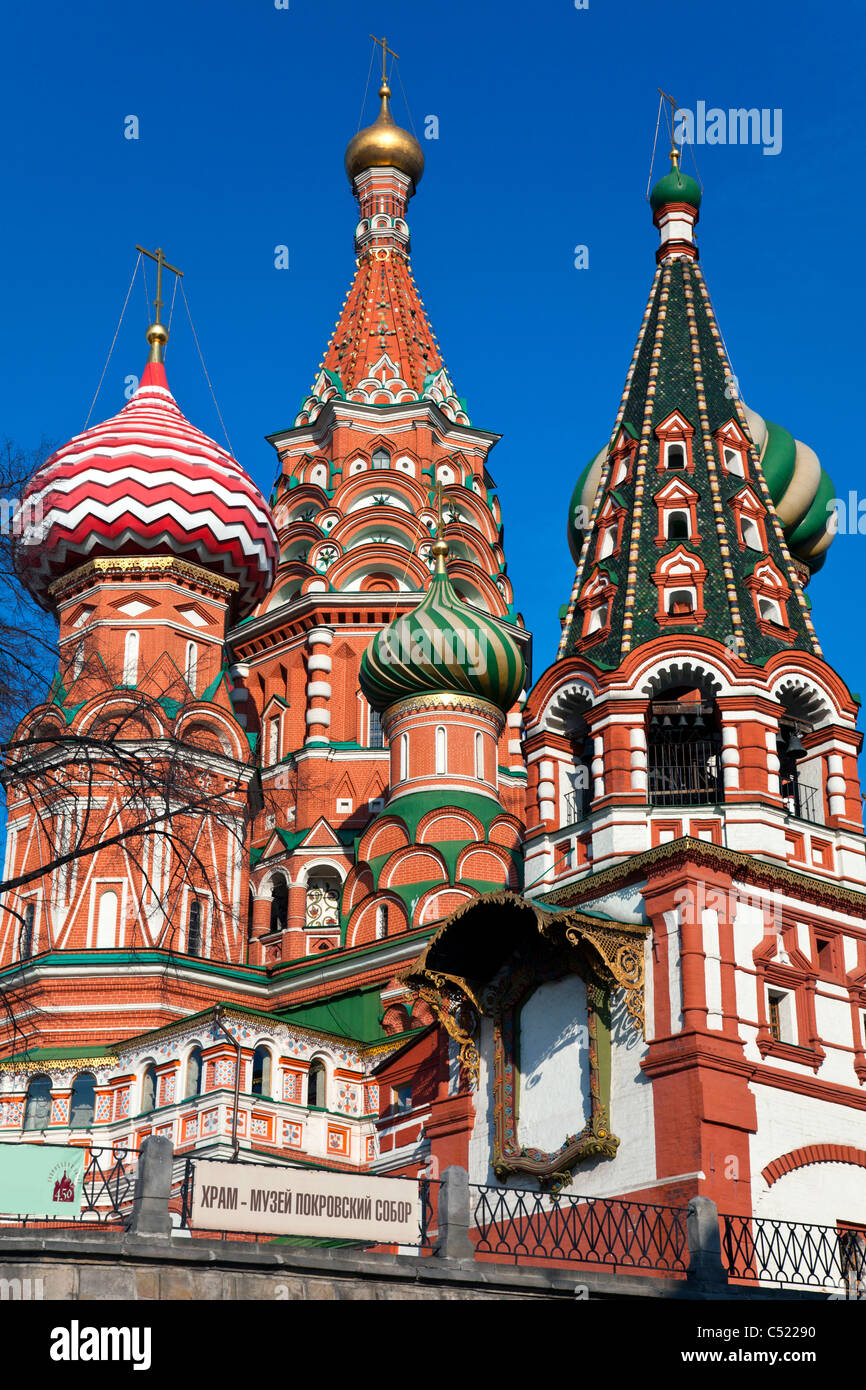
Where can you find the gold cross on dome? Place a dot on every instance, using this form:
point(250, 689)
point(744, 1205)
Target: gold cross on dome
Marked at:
point(385, 49)
point(159, 256)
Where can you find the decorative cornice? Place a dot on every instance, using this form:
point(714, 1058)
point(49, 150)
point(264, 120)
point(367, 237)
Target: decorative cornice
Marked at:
point(732, 862)
point(446, 699)
point(138, 565)
point(59, 1064)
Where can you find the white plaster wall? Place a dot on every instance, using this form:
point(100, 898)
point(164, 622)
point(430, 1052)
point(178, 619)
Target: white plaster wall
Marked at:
point(631, 1117)
point(675, 982)
point(625, 905)
point(620, 839)
point(763, 841)
point(553, 1085)
point(822, 1193)
point(713, 968)
point(833, 1019)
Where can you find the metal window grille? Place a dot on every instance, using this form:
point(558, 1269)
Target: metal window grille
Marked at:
point(684, 762)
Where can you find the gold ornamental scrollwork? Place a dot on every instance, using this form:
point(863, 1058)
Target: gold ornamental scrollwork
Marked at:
point(623, 958)
point(460, 1021)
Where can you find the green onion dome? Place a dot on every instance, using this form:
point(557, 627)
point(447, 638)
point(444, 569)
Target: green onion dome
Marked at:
point(580, 506)
point(675, 187)
point(801, 489)
point(443, 646)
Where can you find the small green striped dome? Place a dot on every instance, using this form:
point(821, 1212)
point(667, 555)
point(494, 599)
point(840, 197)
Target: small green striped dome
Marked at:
point(580, 506)
point(443, 646)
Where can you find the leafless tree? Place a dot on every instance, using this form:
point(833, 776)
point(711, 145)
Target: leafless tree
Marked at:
point(28, 635)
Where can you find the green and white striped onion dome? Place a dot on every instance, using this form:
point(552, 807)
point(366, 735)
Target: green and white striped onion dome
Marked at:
point(442, 646)
point(800, 488)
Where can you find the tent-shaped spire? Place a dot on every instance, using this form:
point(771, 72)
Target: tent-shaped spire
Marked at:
point(699, 516)
point(383, 350)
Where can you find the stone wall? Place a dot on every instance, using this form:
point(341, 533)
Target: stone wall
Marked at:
point(95, 1267)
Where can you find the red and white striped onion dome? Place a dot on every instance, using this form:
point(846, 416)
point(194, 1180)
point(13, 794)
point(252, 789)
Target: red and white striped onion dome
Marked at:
point(147, 482)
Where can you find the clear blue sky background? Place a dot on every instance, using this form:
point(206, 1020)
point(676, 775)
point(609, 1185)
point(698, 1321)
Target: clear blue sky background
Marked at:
point(546, 120)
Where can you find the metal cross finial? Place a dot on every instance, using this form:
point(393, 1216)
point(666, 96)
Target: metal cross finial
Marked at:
point(159, 256)
point(675, 154)
point(439, 519)
point(385, 49)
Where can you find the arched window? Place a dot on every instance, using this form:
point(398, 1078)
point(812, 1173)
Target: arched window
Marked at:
point(441, 749)
point(106, 922)
point(681, 602)
point(381, 458)
point(675, 457)
point(751, 534)
point(770, 611)
point(78, 660)
point(596, 619)
point(381, 921)
point(323, 900)
point(608, 542)
point(678, 526)
point(404, 757)
point(148, 1090)
point(83, 1100)
point(733, 461)
point(273, 742)
point(377, 737)
point(684, 749)
point(191, 665)
point(37, 1108)
point(317, 1087)
point(193, 932)
point(194, 1071)
point(130, 659)
point(279, 903)
point(261, 1072)
point(26, 938)
point(479, 757)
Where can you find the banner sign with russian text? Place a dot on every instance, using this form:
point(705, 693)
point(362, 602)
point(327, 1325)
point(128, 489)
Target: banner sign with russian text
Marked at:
point(283, 1201)
point(41, 1180)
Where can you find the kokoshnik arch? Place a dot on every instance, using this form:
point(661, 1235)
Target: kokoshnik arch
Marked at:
point(607, 928)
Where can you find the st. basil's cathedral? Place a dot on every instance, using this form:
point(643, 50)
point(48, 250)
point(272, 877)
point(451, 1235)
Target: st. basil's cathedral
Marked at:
point(403, 907)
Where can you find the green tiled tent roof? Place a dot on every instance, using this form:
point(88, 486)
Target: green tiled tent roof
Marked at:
point(680, 365)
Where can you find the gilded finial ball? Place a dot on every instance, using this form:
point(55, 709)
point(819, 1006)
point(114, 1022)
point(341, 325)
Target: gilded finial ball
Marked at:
point(384, 144)
point(157, 333)
point(438, 548)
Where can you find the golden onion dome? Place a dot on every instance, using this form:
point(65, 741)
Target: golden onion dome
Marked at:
point(384, 144)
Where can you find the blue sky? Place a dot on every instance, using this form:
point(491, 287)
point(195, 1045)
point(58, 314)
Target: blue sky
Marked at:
point(546, 121)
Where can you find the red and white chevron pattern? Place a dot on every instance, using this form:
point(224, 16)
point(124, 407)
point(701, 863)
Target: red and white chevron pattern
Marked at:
point(148, 481)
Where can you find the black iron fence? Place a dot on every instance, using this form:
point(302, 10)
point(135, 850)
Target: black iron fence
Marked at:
point(108, 1188)
point(527, 1227)
point(577, 804)
point(794, 1254)
point(802, 801)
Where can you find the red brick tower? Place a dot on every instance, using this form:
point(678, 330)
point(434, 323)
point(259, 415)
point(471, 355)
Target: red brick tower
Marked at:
point(692, 768)
point(355, 506)
point(129, 784)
